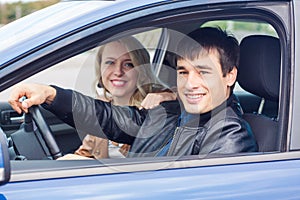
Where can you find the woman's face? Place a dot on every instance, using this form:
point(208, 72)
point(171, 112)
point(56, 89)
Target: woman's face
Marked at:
point(118, 74)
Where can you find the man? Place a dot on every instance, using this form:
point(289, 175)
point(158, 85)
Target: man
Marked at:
point(210, 122)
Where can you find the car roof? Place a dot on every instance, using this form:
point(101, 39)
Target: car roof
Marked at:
point(62, 18)
point(59, 19)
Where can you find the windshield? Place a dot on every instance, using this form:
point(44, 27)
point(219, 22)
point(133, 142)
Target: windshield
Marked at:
point(42, 22)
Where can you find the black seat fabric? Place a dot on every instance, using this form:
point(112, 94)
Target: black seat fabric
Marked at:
point(265, 130)
point(259, 74)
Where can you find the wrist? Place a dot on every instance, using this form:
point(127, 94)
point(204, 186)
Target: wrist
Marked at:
point(50, 94)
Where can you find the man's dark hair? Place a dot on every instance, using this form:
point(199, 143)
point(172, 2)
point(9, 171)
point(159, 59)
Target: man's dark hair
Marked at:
point(209, 38)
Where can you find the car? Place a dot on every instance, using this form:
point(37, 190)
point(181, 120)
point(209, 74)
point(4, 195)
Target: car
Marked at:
point(57, 45)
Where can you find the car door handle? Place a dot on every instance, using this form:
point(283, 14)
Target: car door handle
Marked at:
point(17, 120)
point(10, 117)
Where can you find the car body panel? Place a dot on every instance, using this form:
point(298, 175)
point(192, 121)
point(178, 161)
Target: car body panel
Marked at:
point(274, 179)
point(296, 79)
point(19, 40)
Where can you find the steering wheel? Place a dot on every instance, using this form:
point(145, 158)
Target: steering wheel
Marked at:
point(45, 131)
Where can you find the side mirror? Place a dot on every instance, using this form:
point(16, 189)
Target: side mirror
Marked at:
point(4, 159)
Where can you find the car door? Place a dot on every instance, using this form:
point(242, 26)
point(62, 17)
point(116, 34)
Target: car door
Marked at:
point(267, 175)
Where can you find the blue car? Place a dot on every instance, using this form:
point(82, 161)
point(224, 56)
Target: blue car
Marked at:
point(57, 45)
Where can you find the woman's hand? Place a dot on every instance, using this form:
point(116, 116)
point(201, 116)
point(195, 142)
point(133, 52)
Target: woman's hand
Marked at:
point(154, 99)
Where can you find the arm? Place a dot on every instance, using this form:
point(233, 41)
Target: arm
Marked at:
point(84, 113)
point(89, 115)
point(120, 124)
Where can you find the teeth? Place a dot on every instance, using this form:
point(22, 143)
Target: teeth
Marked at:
point(118, 83)
point(194, 96)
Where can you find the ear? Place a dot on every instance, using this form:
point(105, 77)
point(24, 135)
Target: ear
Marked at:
point(231, 77)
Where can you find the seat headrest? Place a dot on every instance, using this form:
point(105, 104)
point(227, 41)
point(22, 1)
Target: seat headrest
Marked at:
point(259, 68)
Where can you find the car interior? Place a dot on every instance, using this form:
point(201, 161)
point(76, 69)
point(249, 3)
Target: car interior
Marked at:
point(257, 88)
point(260, 58)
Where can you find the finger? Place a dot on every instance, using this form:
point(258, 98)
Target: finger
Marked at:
point(151, 101)
point(26, 105)
point(16, 105)
point(146, 103)
point(150, 105)
point(14, 97)
point(143, 104)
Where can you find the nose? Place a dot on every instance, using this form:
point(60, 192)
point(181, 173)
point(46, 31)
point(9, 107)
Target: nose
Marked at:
point(193, 80)
point(118, 70)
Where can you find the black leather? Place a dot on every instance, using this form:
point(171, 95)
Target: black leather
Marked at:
point(149, 131)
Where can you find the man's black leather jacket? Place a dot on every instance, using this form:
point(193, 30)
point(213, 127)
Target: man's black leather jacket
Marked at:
point(156, 132)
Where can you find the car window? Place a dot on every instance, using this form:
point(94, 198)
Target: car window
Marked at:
point(78, 72)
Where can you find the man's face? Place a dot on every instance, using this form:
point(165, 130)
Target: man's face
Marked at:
point(200, 82)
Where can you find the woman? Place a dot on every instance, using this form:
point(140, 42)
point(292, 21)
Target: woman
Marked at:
point(125, 75)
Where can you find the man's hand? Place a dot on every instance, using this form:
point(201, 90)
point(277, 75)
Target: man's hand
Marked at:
point(154, 99)
point(35, 94)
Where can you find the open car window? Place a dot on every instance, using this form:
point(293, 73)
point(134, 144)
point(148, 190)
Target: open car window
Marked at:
point(159, 36)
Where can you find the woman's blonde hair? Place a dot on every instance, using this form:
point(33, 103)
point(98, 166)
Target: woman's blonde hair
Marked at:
point(146, 82)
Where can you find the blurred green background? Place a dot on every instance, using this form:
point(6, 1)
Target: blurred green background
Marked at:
point(12, 10)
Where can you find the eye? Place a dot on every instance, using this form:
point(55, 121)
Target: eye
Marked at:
point(128, 65)
point(182, 72)
point(109, 62)
point(203, 72)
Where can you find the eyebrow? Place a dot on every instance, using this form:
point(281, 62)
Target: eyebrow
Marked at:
point(112, 58)
point(203, 67)
point(197, 67)
point(179, 67)
point(128, 60)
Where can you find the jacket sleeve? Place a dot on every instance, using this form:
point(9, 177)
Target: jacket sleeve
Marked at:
point(102, 119)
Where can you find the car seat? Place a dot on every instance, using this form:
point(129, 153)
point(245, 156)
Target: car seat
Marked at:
point(259, 74)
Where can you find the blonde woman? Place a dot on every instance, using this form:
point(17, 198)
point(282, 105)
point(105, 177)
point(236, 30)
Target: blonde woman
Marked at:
point(125, 77)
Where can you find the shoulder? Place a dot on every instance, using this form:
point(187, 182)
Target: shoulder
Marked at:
point(230, 133)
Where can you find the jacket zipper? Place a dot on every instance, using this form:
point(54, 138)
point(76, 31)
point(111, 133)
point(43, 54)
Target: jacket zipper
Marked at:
point(172, 142)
